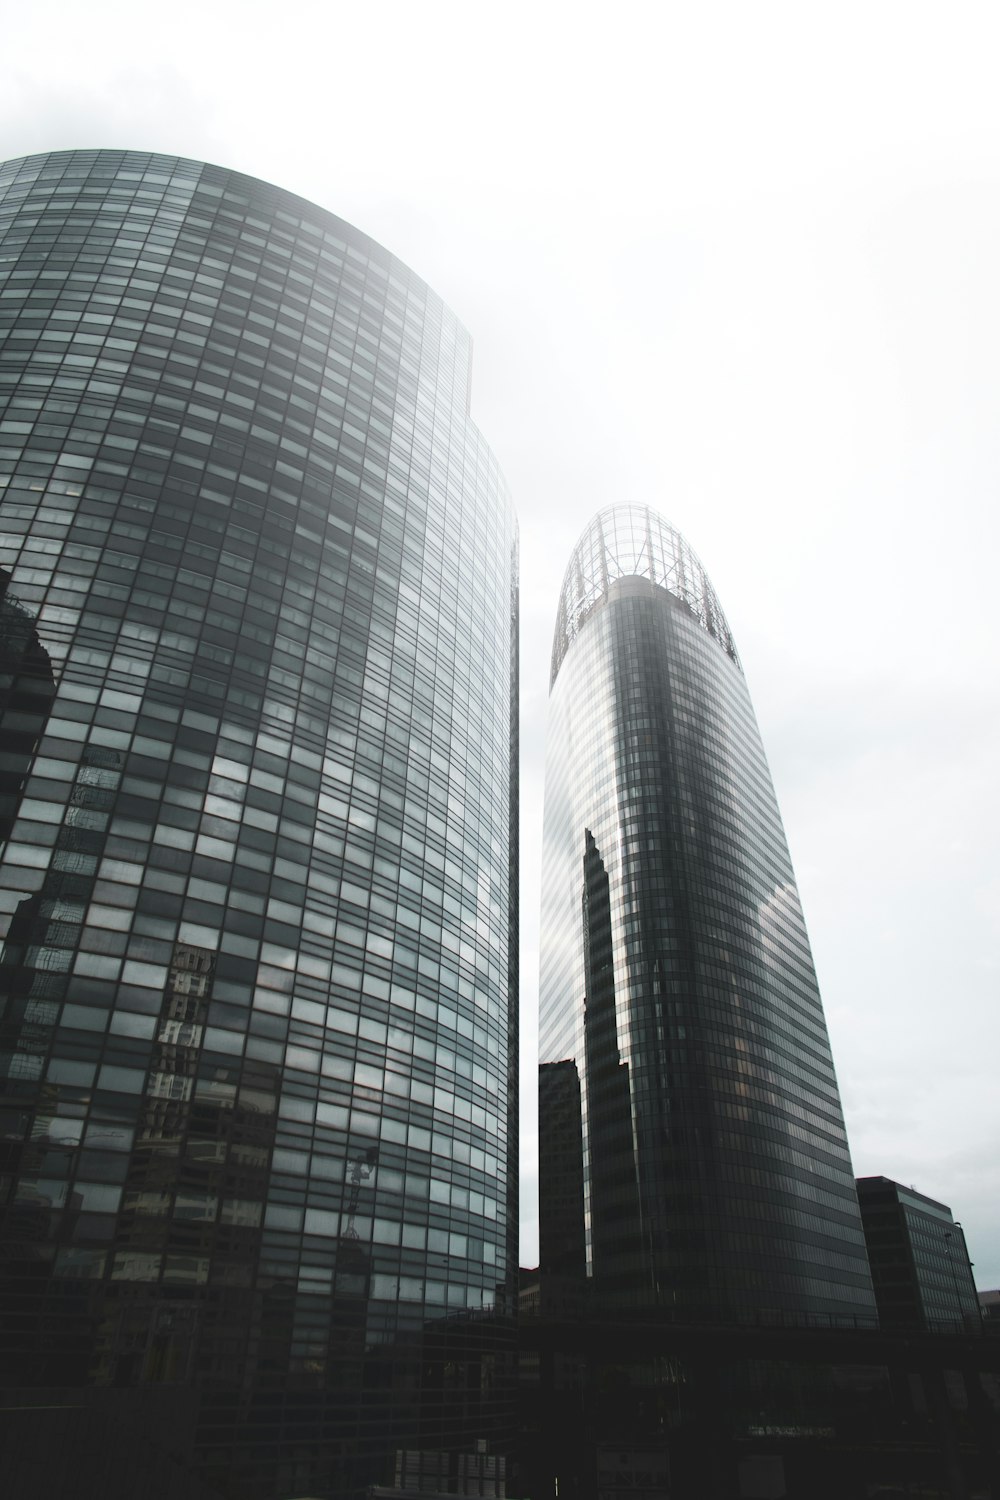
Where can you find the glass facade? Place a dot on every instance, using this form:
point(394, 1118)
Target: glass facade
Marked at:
point(258, 630)
point(675, 967)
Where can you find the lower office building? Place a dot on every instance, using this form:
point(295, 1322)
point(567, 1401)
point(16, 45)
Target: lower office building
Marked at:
point(989, 1310)
point(919, 1259)
point(258, 640)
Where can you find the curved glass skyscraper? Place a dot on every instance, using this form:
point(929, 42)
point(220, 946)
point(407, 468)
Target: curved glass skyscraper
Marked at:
point(258, 787)
point(676, 971)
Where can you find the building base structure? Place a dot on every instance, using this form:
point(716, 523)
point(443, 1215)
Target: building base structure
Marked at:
point(668, 1410)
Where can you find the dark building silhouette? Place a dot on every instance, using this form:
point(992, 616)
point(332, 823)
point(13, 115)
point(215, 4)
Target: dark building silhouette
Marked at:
point(560, 1172)
point(675, 967)
point(27, 689)
point(616, 1237)
point(919, 1259)
point(258, 882)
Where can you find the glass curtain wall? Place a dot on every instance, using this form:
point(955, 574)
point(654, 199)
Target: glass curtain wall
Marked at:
point(675, 967)
point(258, 993)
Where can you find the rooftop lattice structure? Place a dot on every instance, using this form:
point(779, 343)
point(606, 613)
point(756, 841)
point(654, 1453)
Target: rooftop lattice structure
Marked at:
point(632, 541)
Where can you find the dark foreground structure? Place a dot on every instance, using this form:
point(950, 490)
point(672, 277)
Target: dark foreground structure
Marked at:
point(659, 1409)
point(258, 645)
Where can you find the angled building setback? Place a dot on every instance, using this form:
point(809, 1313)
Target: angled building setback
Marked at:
point(258, 787)
point(675, 967)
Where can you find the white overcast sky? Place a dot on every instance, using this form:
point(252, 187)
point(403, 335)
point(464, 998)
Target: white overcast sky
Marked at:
point(741, 262)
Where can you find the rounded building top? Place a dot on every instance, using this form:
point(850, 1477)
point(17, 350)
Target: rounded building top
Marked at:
point(632, 541)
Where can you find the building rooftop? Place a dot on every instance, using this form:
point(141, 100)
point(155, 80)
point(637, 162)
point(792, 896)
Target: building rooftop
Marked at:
point(625, 542)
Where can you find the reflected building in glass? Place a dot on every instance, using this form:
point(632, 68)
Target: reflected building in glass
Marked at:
point(258, 629)
point(676, 974)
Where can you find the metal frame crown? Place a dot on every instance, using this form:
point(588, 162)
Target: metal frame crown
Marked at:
point(632, 541)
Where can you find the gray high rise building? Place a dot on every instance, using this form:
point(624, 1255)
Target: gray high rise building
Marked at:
point(258, 892)
point(676, 972)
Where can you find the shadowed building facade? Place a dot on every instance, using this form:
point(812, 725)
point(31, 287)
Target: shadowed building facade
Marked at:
point(675, 967)
point(258, 786)
point(560, 1171)
point(919, 1259)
